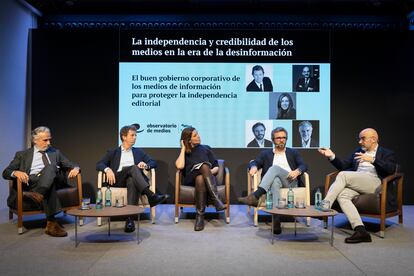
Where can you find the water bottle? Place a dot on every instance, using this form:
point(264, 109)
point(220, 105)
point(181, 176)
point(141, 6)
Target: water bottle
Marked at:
point(318, 199)
point(269, 200)
point(290, 198)
point(98, 204)
point(108, 196)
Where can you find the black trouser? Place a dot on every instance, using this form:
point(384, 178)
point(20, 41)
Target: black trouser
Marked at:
point(45, 183)
point(134, 180)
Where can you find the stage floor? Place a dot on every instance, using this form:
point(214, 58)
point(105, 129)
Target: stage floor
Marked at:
point(237, 248)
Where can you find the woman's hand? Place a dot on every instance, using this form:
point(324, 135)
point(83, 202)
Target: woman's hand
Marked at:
point(182, 145)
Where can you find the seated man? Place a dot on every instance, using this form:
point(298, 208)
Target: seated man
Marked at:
point(123, 167)
point(360, 174)
point(37, 167)
point(280, 168)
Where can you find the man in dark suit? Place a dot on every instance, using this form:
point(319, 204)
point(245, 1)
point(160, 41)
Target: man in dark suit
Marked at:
point(259, 83)
point(360, 174)
point(37, 167)
point(306, 83)
point(259, 141)
point(281, 167)
point(304, 139)
point(123, 167)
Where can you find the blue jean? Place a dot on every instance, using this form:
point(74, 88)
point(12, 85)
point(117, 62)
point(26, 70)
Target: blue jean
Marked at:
point(274, 179)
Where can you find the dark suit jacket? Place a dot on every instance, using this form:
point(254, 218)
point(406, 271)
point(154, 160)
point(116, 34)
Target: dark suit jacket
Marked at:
point(113, 157)
point(298, 142)
point(254, 144)
point(22, 161)
point(267, 85)
point(265, 160)
point(313, 85)
point(385, 162)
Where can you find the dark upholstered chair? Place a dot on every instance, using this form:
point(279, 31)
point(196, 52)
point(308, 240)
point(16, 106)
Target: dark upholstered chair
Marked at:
point(69, 193)
point(185, 195)
point(384, 203)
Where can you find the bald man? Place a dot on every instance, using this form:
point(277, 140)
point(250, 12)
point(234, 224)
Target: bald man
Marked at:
point(360, 174)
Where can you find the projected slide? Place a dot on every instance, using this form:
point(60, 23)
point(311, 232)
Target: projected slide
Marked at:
point(234, 90)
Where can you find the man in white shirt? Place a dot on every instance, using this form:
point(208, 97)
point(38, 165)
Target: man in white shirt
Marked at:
point(123, 167)
point(360, 174)
point(281, 167)
point(38, 168)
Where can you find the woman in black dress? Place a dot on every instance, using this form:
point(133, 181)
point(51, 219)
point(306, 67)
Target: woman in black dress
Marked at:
point(199, 167)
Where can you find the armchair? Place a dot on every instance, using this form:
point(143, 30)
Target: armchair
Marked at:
point(121, 191)
point(384, 203)
point(185, 195)
point(253, 183)
point(70, 196)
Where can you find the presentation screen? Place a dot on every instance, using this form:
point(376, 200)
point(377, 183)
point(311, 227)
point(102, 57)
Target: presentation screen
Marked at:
point(233, 87)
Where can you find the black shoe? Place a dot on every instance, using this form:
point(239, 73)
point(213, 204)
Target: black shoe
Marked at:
point(358, 237)
point(129, 225)
point(276, 227)
point(157, 199)
point(199, 222)
point(250, 200)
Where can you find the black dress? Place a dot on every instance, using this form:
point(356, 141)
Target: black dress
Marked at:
point(199, 154)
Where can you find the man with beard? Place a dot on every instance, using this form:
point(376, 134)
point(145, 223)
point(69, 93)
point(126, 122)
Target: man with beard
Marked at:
point(281, 167)
point(259, 130)
point(361, 173)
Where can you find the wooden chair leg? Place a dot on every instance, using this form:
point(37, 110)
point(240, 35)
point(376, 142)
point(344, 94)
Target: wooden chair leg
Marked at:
point(382, 227)
point(153, 215)
point(177, 213)
point(20, 224)
point(228, 214)
point(255, 217)
point(400, 217)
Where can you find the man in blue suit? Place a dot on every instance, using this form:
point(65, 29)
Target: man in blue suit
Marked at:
point(361, 173)
point(123, 167)
point(281, 167)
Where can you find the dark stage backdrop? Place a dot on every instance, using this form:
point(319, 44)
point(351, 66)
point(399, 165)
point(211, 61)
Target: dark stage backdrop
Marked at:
point(75, 93)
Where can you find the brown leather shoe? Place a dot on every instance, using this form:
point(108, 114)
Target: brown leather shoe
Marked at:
point(55, 230)
point(36, 197)
point(250, 200)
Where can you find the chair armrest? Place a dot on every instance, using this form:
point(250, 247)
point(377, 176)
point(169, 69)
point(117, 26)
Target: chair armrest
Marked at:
point(178, 176)
point(152, 178)
point(307, 187)
point(19, 188)
point(79, 186)
point(399, 177)
point(227, 184)
point(101, 177)
point(329, 179)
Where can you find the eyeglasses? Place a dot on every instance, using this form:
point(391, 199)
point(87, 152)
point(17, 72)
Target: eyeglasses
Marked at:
point(280, 138)
point(363, 138)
